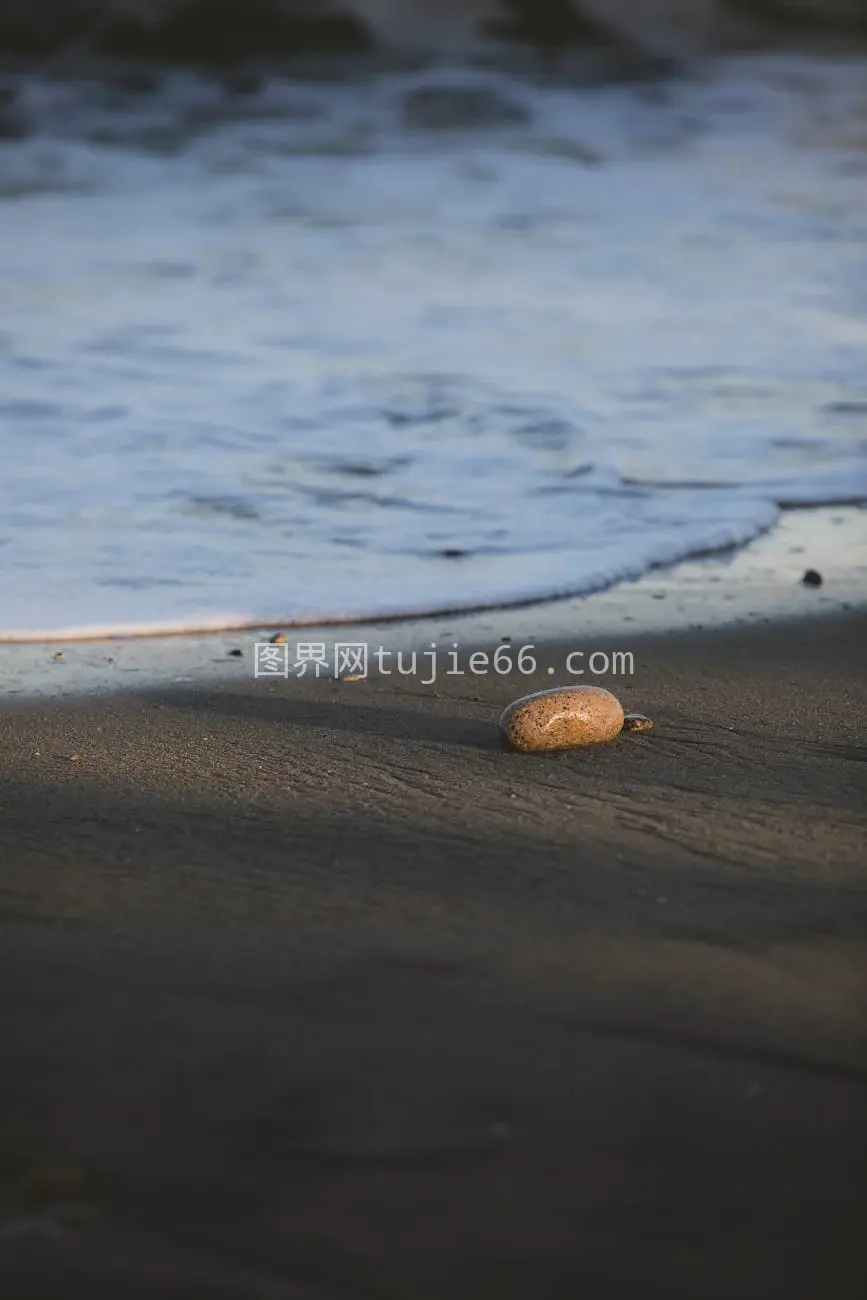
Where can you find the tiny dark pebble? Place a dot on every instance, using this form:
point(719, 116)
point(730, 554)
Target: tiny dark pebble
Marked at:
point(812, 578)
point(135, 82)
point(452, 553)
point(236, 654)
point(447, 108)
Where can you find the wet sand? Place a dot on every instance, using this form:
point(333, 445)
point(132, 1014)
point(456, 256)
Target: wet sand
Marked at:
point(310, 989)
point(754, 584)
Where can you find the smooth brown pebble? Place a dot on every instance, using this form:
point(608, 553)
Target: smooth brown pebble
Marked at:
point(562, 718)
point(636, 722)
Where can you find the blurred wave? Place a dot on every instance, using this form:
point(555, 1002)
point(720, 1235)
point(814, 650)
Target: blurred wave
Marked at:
point(427, 329)
point(429, 340)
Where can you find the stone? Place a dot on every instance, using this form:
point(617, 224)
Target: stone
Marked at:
point(562, 718)
point(636, 722)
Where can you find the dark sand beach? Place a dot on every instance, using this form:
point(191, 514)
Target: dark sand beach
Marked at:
point(312, 990)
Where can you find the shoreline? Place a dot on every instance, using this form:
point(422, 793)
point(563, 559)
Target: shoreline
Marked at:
point(287, 965)
point(756, 583)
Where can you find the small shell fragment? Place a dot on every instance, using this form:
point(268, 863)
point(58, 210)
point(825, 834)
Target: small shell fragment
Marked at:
point(636, 722)
point(562, 718)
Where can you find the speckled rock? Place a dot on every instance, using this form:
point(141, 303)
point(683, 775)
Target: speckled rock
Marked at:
point(562, 718)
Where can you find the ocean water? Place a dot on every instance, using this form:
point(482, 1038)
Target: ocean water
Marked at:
point(308, 348)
